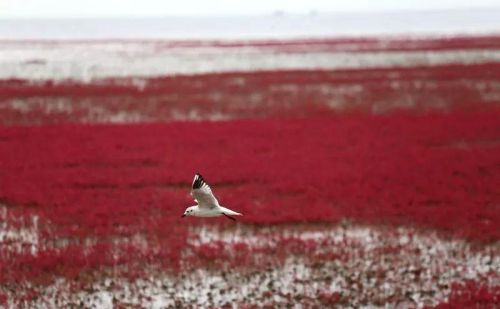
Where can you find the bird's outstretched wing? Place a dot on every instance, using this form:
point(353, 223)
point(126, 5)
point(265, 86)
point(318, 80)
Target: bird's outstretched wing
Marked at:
point(202, 193)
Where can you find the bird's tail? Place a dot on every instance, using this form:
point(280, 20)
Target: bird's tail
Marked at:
point(230, 212)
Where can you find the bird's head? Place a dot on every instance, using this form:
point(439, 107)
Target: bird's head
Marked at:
point(188, 212)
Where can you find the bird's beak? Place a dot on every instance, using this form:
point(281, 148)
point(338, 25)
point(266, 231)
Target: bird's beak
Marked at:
point(183, 215)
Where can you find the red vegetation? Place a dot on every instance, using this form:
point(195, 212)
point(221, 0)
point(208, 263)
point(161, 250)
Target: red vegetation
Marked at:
point(108, 198)
point(472, 295)
point(357, 44)
point(254, 94)
point(98, 187)
point(353, 44)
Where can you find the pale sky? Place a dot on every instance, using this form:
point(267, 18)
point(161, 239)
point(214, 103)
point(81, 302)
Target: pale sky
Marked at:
point(146, 8)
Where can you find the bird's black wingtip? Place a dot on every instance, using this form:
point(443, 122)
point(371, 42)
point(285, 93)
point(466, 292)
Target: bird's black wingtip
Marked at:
point(198, 181)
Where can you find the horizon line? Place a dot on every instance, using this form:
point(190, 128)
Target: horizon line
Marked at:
point(275, 13)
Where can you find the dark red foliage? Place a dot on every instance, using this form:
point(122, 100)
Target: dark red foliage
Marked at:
point(253, 94)
point(330, 299)
point(472, 294)
point(110, 196)
point(110, 183)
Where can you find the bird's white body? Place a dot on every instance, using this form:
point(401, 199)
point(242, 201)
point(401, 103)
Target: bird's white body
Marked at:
point(215, 212)
point(208, 206)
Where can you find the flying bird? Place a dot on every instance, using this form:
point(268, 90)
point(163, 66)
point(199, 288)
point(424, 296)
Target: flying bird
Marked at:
point(208, 206)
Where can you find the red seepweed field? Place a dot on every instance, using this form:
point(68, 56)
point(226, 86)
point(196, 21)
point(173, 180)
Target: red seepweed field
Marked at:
point(359, 187)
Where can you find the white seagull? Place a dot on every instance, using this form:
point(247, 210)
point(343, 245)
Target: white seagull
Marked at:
point(208, 206)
